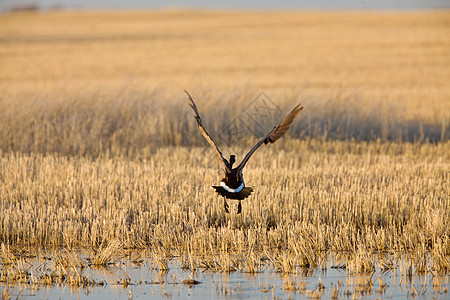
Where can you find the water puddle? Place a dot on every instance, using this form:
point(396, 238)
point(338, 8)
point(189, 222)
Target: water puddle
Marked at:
point(142, 278)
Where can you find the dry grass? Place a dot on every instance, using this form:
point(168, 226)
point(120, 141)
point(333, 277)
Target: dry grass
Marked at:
point(317, 196)
point(63, 269)
point(99, 150)
point(403, 56)
point(103, 256)
point(96, 82)
point(135, 124)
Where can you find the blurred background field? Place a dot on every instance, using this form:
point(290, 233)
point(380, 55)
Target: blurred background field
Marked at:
point(84, 82)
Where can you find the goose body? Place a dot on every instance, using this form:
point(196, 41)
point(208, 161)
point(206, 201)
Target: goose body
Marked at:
point(232, 184)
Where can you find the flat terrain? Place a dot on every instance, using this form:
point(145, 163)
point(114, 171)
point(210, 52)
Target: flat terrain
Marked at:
point(99, 151)
point(393, 63)
point(404, 56)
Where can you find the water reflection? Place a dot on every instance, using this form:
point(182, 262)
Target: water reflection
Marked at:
point(129, 279)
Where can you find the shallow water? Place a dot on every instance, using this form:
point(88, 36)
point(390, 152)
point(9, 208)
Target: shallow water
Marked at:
point(127, 280)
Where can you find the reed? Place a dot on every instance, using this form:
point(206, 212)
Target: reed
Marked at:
point(320, 196)
point(134, 123)
point(64, 90)
point(103, 153)
point(103, 255)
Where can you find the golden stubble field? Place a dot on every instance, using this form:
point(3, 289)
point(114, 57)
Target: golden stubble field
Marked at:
point(100, 151)
point(70, 81)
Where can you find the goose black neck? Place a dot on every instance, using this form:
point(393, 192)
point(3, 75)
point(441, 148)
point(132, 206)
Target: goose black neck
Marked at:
point(232, 160)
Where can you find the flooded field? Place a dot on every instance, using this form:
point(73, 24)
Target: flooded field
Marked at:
point(105, 183)
point(46, 277)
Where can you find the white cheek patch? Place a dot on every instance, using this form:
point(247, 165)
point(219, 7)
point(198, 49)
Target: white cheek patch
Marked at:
point(222, 184)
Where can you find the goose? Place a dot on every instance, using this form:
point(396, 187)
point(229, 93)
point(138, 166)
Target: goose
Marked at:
point(232, 184)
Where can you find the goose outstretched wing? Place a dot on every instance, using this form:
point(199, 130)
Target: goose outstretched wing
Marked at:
point(223, 163)
point(274, 135)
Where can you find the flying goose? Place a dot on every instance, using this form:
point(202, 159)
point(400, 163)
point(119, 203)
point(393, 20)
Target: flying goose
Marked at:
point(232, 184)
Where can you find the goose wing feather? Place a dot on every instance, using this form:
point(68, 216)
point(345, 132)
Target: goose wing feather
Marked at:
point(223, 163)
point(277, 132)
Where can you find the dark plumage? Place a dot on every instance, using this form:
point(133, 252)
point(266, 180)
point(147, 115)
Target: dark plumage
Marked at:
point(232, 184)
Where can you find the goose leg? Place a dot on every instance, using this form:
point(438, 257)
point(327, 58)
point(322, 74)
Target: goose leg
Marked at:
point(225, 205)
point(239, 207)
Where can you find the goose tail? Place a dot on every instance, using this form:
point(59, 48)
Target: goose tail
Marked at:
point(244, 193)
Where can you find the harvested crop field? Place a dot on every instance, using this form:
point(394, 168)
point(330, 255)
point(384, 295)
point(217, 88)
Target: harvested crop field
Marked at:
point(102, 164)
